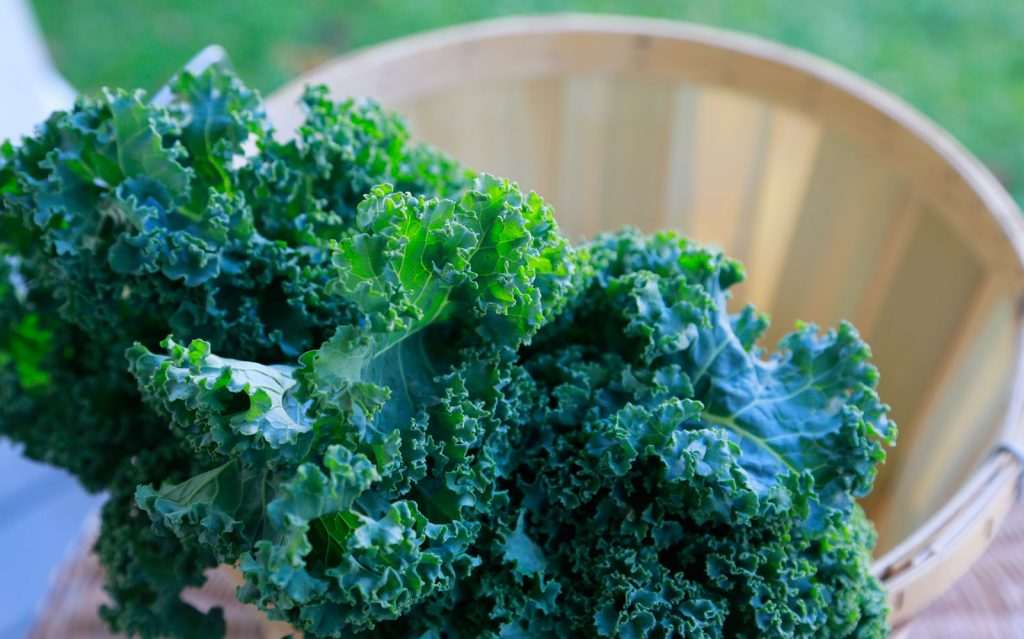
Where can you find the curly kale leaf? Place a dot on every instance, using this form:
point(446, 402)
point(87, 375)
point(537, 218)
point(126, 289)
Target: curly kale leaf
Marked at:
point(307, 189)
point(326, 526)
point(145, 574)
point(122, 221)
point(495, 254)
point(492, 263)
point(147, 220)
point(812, 407)
point(632, 509)
point(346, 487)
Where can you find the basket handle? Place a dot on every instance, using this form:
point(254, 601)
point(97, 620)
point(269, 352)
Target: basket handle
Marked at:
point(1017, 452)
point(211, 56)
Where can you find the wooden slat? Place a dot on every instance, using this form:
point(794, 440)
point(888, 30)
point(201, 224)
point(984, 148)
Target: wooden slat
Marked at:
point(730, 146)
point(925, 308)
point(749, 185)
point(836, 160)
point(477, 125)
point(902, 225)
point(429, 121)
point(856, 237)
point(582, 153)
point(487, 125)
point(508, 130)
point(959, 414)
point(836, 237)
point(984, 602)
point(639, 115)
point(792, 151)
point(677, 204)
point(530, 48)
point(541, 105)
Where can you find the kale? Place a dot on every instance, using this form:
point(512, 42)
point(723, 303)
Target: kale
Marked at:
point(391, 393)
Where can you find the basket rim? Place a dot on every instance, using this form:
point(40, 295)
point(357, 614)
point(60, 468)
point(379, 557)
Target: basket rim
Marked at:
point(985, 498)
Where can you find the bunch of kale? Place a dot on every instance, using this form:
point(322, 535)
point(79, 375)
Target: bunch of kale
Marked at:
point(401, 402)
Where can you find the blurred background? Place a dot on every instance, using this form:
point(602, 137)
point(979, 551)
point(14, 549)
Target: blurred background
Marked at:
point(959, 62)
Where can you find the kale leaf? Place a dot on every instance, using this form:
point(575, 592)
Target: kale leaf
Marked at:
point(392, 394)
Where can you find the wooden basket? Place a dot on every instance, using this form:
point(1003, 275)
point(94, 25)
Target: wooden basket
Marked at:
point(842, 201)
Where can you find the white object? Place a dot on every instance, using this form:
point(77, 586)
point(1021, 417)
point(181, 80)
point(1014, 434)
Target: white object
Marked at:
point(30, 86)
point(40, 507)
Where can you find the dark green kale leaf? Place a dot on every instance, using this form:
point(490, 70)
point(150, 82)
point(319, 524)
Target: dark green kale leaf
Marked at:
point(811, 407)
point(146, 219)
point(347, 488)
point(145, 575)
point(122, 222)
point(634, 509)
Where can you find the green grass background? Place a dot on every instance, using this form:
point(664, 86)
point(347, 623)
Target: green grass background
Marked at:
point(959, 61)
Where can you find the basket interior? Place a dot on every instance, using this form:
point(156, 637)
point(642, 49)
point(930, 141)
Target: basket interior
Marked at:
point(837, 212)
